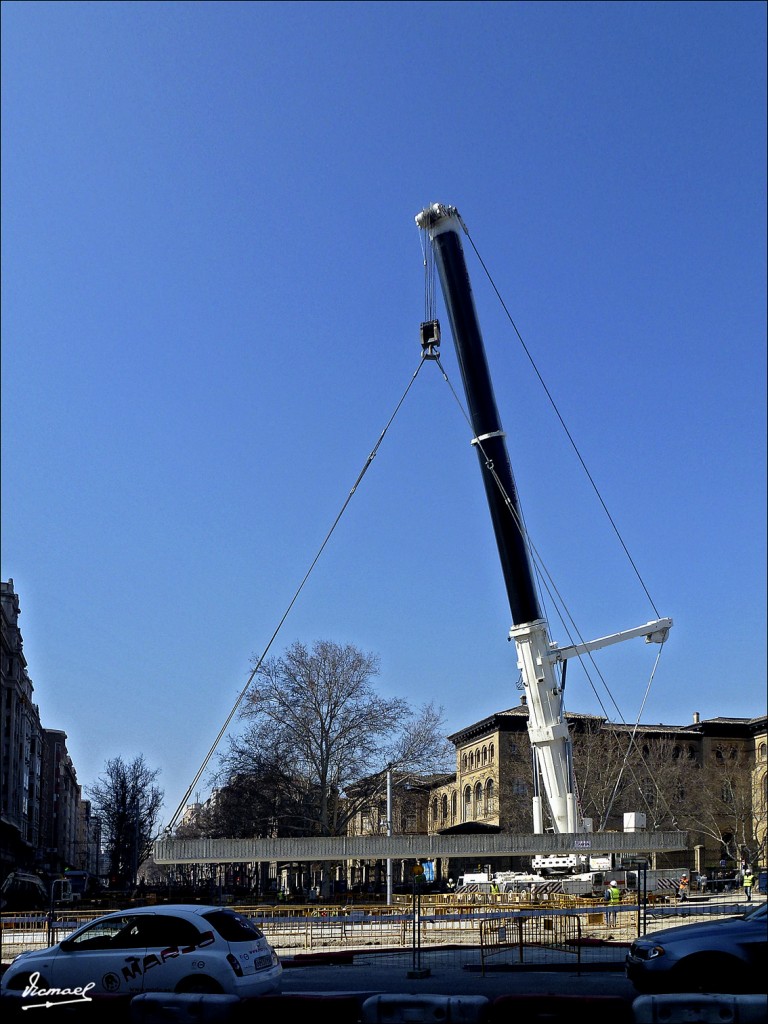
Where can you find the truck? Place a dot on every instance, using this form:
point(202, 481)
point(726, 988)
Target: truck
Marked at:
point(542, 662)
point(560, 864)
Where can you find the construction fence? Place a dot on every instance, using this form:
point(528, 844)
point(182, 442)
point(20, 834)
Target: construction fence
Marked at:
point(558, 929)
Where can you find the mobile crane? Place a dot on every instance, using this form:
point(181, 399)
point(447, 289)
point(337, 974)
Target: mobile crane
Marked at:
point(538, 658)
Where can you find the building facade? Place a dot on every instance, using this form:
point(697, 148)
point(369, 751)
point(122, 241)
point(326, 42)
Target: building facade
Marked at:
point(21, 745)
point(709, 778)
point(45, 826)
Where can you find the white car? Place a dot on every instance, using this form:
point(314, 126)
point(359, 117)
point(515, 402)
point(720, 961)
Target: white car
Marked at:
point(150, 949)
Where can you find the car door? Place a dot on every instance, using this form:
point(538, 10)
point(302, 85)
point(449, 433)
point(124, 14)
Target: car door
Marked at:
point(172, 948)
point(108, 956)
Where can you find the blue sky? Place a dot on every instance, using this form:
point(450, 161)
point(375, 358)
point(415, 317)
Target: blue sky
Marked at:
point(212, 290)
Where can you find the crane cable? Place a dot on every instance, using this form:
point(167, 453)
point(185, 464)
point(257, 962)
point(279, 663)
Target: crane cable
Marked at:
point(543, 575)
point(260, 660)
point(547, 582)
point(562, 422)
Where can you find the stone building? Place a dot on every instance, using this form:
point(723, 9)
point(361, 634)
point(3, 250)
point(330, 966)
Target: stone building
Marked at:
point(43, 825)
point(410, 816)
point(21, 745)
point(60, 804)
point(491, 789)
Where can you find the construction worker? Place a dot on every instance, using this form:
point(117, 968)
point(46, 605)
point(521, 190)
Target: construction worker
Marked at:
point(682, 887)
point(612, 897)
point(749, 881)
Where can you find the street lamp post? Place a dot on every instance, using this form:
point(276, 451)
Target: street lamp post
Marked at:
point(389, 833)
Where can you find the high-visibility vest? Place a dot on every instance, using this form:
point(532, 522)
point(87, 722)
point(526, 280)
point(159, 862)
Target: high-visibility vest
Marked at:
point(749, 880)
point(615, 894)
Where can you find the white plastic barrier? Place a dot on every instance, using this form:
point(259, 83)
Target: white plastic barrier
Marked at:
point(396, 1009)
point(679, 1007)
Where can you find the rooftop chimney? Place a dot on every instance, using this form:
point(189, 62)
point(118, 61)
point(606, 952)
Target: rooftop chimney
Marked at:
point(696, 718)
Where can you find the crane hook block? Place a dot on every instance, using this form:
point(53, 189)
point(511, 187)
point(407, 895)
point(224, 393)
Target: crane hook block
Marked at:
point(430, 339)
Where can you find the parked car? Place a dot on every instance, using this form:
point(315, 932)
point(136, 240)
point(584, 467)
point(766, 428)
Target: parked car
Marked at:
point(721, 955)
point(151, 949)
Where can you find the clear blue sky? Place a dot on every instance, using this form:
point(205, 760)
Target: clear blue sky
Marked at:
point(212, 290)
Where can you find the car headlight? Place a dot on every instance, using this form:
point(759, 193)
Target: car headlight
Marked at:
point(655, 951)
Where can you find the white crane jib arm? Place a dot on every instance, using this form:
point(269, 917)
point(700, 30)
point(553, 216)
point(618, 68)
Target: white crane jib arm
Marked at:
point(655, 632)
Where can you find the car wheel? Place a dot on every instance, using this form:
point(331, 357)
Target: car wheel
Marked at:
point(200, 983)
point(710, 972)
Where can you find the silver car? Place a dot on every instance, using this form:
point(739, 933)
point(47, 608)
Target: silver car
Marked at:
point(721, 955)
point(149, 949)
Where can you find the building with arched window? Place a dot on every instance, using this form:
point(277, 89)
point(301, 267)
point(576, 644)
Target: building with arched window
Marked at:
point(675, 771)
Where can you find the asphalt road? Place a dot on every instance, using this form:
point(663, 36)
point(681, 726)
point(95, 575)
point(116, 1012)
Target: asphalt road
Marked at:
point(362, 980)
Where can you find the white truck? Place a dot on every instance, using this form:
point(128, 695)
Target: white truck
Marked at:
point(563, 864)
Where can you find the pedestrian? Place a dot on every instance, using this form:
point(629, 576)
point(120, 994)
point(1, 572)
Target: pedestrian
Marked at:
point(682, 887)
point(749, 881)
point(612, 896)
point(702, 883)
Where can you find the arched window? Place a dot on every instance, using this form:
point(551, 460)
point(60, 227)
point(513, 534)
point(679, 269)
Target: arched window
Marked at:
point(477, 757)
point(490, 752)
point(489, 809)
point(444, 808)
point(467, 804)
point(471, 760)
point(762, 751)
point(464, 762)
point(478, 800)
point(434, 811)
point(485, 755)
point(453, 806)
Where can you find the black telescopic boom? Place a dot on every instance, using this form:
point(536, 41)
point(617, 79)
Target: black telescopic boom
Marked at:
point(443, 224)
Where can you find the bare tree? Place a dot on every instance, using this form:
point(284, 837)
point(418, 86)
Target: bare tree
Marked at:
point(722, 806)
point(318, 729)
point(128, 803)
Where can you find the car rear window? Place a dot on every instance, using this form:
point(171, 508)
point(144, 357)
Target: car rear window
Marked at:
point(232, 927)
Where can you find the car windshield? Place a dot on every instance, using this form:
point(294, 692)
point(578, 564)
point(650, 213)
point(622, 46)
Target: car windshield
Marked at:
point(231, 926)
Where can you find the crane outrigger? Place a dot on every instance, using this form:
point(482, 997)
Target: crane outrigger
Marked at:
point(538, 658)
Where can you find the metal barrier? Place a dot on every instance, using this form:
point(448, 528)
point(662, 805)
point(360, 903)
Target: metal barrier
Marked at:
point(502, 934)
point(446, 928)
